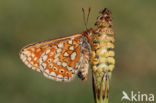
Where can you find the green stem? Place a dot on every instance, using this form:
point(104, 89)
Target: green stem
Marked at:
point(101, 88)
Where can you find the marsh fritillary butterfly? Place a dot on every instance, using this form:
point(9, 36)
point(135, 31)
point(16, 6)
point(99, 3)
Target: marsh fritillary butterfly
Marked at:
point(60, 59)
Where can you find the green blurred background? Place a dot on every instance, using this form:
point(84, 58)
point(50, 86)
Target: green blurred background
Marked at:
point(26, 21)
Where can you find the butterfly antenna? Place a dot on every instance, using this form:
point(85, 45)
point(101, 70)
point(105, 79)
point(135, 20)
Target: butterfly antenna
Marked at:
point(89, 10)
point(84, 18)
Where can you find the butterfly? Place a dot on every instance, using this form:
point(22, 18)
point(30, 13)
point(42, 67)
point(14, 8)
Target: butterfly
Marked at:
point(60, 59)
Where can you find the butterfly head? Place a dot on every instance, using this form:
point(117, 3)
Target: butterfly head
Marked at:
point(89, 32)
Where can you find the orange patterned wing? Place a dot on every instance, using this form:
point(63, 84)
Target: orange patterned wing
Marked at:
point(59, 59)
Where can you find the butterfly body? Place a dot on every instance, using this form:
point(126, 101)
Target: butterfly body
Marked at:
point(60, 59)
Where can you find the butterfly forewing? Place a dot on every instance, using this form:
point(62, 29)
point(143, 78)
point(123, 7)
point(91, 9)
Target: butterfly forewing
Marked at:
point(58, 59)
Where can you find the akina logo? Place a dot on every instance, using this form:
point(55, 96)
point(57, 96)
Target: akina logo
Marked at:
point(137, 97)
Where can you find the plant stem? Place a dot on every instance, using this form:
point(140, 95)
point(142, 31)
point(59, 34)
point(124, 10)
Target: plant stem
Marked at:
point(101, 88)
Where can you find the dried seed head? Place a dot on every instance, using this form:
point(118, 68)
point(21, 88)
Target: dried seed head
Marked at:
point(105, 11)
point(102, 53)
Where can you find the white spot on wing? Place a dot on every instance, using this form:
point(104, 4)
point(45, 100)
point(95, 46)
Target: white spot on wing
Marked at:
point(64, 64)
point(44, 57)
point(43, 66)
point(27, 53)
point(66, 54)
point(60, 76)
point(46, 75)
point(36, 65)
point(23, 57)
point(65, 78)
point(33, 68)
point(33, 49)
point(60, 45)
point(53, 74)
point(38, 70)
point(47, 51)
point(58, 50)
point(40, 60)
point(60, 79)
point(56, 60)
point(57, 55)
point(70, 42)
point(29, 66)
point(26, 62)
point(51, 53)
point(73, 55)
point(69, 68)
point(58, 63)
point(71, 48)
point(32, 55)
point(29, 59)
point(47, 71)
point(35, 58)
point(31, 62)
